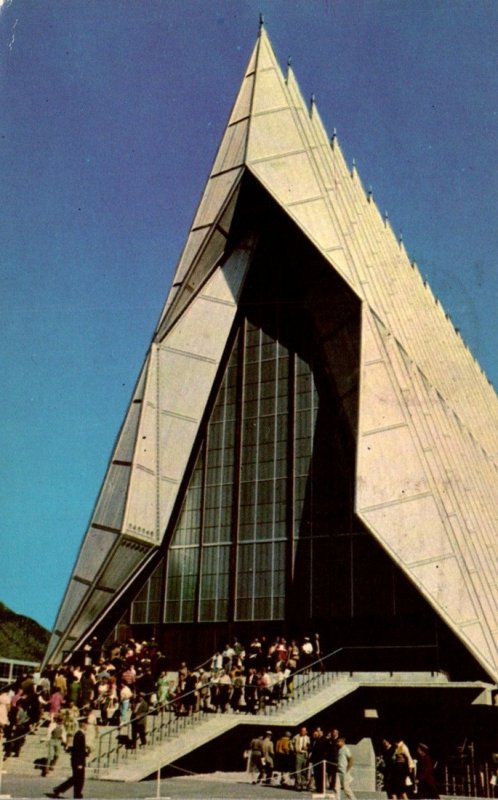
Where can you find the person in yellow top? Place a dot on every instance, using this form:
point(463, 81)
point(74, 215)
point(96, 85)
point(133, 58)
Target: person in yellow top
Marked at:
point(283, 755)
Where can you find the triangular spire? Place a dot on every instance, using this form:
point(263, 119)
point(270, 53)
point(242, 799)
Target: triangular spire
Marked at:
point(207, 239)
point(403, 408)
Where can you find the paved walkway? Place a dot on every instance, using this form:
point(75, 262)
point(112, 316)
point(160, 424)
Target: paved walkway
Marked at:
point(215, 786)
point(218, 786)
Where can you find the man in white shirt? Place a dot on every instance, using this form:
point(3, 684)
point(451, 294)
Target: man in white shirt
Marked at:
point(344, 764)
point(306, 653)
point(301, 747)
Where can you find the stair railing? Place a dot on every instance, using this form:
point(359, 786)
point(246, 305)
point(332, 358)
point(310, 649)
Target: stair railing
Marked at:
point(115, 745)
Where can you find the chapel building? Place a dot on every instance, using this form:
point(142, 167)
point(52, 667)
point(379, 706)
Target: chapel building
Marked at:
point(310, 446)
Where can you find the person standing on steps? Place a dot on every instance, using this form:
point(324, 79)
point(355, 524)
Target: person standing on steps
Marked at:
point(56, 740)
point(140, 709)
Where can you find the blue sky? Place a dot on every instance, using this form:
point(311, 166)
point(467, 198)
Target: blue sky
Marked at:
point(111, 113)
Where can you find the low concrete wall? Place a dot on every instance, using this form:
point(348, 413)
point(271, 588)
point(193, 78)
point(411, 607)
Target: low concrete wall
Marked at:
point(363, 766)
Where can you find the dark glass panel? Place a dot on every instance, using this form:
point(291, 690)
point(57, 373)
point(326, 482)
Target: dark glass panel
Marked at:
point(139, 612)
point(214, 583)
point(264, 519)
point(172, 612)
point(262, 608)
point(268, 385)
point(143, 594)
point(371, 598)
point(244, 608)
point(154, 613)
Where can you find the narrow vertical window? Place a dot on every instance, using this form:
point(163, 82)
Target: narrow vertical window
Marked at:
point(183, 556)
point(263, 480)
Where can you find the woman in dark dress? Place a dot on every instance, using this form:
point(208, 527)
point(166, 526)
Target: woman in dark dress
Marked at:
point(401, 768)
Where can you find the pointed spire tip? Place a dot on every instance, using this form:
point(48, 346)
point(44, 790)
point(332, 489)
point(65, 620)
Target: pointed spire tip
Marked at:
point(261, 20)
point(289, 68)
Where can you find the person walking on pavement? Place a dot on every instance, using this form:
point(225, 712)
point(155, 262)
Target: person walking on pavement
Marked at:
point(344, 764)
point(78, 761)
point(268, 754)
point(425, 781)
point(256, 759)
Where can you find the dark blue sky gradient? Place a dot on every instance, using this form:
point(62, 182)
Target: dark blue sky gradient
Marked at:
point(111, 113)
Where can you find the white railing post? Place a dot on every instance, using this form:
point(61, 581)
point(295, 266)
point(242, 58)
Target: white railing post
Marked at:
point(1, 765)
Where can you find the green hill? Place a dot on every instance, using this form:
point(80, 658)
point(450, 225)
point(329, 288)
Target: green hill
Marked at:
point(21, 637)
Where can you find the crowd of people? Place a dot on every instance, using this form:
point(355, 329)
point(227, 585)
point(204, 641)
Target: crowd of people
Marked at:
point(122, 685)
point(402, 775)
point(322, 761)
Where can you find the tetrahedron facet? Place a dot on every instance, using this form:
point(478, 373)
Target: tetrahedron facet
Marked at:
point(305, 401)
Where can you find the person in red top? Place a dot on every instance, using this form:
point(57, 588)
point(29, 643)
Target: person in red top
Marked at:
point(425, 781)
point(55, 702)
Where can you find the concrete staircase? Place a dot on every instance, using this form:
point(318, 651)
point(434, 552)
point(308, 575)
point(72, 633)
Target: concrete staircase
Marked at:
point(129, 765)
point(135, 765)
point(33, 754)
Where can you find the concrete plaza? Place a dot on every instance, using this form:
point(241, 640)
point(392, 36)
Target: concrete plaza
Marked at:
point(216, 786)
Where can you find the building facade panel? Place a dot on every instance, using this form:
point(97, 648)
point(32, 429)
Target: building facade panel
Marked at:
point(413, 529)
point(98, 545)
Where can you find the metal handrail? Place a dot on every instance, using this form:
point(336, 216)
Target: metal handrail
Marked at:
point(203, 664)
point(164, 722)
